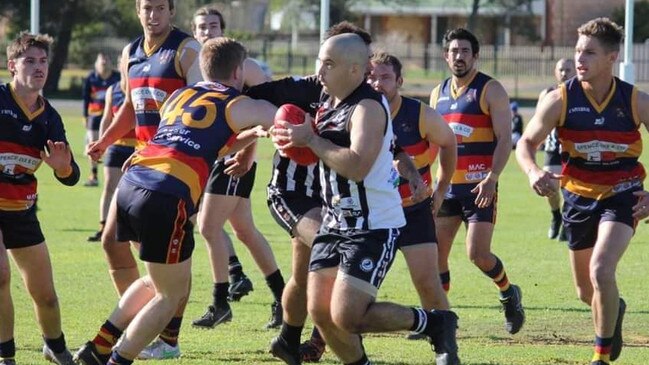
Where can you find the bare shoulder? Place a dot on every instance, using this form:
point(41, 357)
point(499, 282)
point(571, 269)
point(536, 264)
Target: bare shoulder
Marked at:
point(495, 90)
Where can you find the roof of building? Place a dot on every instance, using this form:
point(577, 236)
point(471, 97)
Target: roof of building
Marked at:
point(429, 7)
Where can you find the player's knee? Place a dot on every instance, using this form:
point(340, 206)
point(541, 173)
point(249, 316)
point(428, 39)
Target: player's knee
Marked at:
point(319, 315)
point(602, 275)
point(5, 277)
point(348, 322)
point(209, 233)
point(47, 300)
point(247, 236)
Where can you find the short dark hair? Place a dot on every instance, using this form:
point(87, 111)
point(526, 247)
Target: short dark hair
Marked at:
point(384, 58)
point(220, 56)
point(24, 41)
point(170, 2)
point(607, 32)
point(461, 34)
point(208, 10)
point(348, 27)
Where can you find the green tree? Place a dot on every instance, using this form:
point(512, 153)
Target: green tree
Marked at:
point(640, 25)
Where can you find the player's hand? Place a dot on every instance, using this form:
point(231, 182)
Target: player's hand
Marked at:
point(293, 135)
point(419, 190)
point(95, 149)
point(240, 164)
point(544, 183)
point(436, 203)
point(641, 208)
point(57, 155)
point(486, 191)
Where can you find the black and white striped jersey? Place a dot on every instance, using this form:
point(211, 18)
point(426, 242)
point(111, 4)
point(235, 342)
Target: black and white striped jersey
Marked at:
point(287, 176)
point(373, 203)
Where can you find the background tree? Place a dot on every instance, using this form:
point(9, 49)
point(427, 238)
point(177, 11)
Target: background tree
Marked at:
point(640, 15)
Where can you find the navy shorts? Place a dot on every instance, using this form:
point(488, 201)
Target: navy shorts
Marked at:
point(116, 155)
point(20, 229)
point(287, 209)
point(420, 225)
point(364, 256)
point(220, 183)
point(159, 222)
point(465, 207)
point(581, 225)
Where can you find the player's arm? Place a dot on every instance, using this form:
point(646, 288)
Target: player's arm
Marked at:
point(248, 113)
point(366, 127)
point(640, 210)
point(107, 116)
point(124, 119)
point(253, 74)
point(546, 118)
point(303, 92)
point(85, 94)
point(438, 133)
point(497, 103)
point(406, 168)
point(189, 64)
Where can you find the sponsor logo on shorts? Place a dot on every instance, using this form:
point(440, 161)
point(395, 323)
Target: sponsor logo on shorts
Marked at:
point(367, 265)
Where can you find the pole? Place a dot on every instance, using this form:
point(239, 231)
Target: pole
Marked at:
point(35, 17)
point(324, 24)
point(627, 71)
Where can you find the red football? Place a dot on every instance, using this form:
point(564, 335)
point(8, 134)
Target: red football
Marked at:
point(294, 115)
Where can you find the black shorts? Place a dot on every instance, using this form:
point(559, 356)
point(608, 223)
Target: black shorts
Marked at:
point(465, 207)
point(581, 225)
point(20, 229)
point(116, 155)
point(420, 226)
point(93, 122)
point(159, 222)
point(288, 209)
point(363, 257)
point(552, 159)
point(220, 183)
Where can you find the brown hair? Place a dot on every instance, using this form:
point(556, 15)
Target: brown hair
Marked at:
point(384, 58)
point(609, 34)
point(220, 57)
point(348, 27)
point(170, 2)
point(24, 41)
point(208, 10)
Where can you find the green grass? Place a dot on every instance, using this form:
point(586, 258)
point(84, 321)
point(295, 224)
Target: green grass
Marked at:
point(558, 328)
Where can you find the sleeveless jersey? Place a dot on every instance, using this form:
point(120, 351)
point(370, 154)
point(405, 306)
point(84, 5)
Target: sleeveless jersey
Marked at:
point(194, 129)
point(94, 93)
point(374, 202)
point(467, 115)
point(152, 77)
point(287, 177)
point(22, 137)
point(117, 99)
point(407, 123)
point(600, 143)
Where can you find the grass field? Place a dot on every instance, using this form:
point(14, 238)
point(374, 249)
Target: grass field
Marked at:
point(558, 328)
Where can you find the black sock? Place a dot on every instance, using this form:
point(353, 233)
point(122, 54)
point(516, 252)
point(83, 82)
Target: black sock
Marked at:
point(57, 344)
point(221, 294)
point(445, 277)
point(94, 172)
point(316, 336)
point(234, 266)
point(556, 214)
point(291, 334)
point(362, 361)
point(8, 349)
point(275, 282)
point(117, 359)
